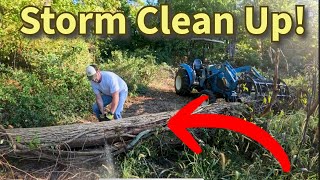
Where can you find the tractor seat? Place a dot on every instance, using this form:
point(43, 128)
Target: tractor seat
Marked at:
point(197, 64)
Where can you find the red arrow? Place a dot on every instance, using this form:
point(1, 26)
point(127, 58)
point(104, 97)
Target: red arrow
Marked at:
point(184, 119)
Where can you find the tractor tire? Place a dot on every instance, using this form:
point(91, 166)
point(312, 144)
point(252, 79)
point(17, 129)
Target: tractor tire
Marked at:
point(212, 97)
point(181, 83)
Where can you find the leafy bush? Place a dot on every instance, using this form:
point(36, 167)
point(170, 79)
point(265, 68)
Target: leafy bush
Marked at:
point(45, 54)
point(247, 56)
point(31, 100)
point(137, 71)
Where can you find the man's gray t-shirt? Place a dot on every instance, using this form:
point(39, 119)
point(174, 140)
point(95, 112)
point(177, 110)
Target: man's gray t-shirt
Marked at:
point(109, 84)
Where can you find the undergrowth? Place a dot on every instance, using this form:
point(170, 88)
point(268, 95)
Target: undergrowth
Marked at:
point(227, 155)
point(56, 92)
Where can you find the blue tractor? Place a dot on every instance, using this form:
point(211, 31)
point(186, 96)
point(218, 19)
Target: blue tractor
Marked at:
point(224, 81)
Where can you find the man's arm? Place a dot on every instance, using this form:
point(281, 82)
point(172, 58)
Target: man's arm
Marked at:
point(100, 103)
point(115, 101)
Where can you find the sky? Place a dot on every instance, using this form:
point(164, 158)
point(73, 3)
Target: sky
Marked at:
point(153, 1)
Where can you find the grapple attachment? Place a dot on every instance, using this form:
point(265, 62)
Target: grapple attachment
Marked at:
point(259, 87)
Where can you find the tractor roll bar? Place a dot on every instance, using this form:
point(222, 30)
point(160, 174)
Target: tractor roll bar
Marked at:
point(206, 39)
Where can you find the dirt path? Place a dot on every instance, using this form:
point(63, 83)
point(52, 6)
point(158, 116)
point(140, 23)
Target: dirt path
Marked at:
point(160, 97)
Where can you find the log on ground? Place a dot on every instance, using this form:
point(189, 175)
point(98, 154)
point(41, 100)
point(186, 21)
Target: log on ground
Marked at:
point(84, 140)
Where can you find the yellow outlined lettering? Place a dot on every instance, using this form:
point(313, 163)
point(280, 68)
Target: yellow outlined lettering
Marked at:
point(46, 17)
point(181, 20)
point(218, 17)
point(30, 21)
point(299, 19)
point(205, 23)
point(107, 23)
point(72, 23)
point(276, 29)
point(164, 9)
point(141, 20)
point(83, 18)
point(110, 23)
point(249, 20)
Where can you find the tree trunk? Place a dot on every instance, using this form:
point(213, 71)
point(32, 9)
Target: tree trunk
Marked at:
point(84, 141)
point(275, 89)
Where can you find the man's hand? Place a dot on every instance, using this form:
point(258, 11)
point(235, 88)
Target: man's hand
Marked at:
point(102, 116)
point(106, 116)
point(109, 116)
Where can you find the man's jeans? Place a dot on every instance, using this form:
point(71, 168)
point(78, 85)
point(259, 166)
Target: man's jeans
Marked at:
point(107, 100)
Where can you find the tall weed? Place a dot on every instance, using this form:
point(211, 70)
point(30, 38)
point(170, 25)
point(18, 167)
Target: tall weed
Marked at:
point(228, 155)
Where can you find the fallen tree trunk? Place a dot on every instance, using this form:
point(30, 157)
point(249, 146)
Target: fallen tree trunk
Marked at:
point(84, 142)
